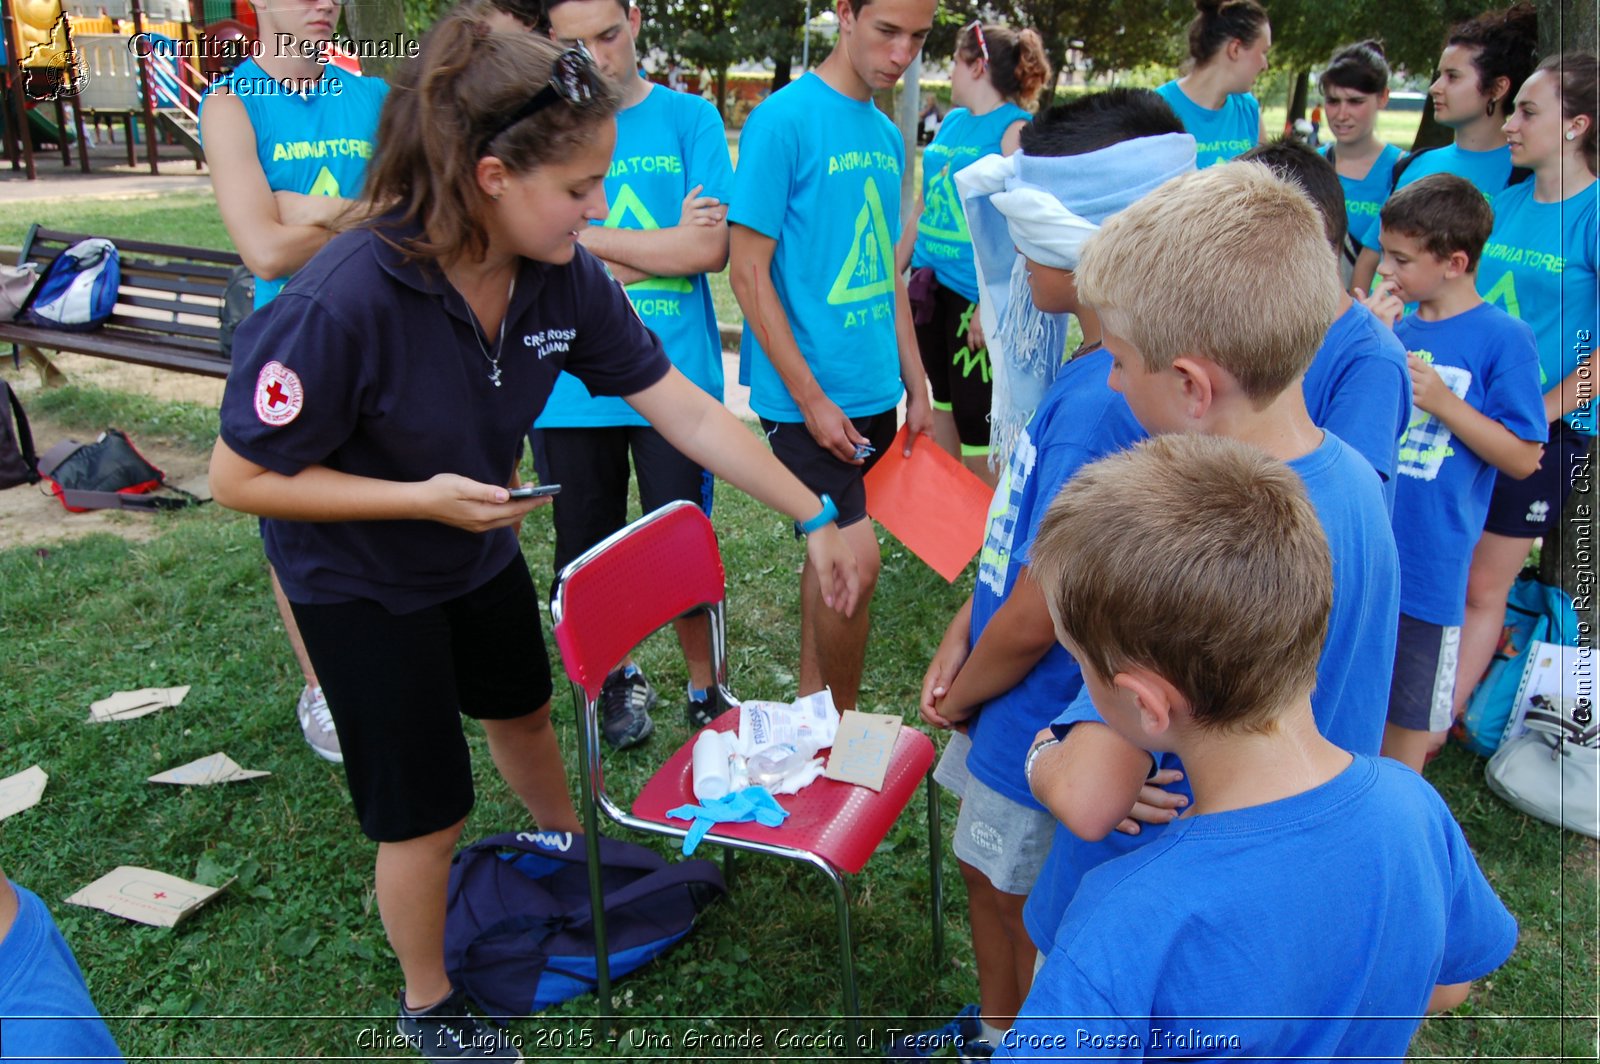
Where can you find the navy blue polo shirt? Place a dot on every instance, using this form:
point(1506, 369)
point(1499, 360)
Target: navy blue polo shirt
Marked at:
point(369, 364)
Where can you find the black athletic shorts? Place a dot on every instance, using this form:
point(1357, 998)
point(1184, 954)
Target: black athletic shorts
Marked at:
point(591, 465)
point(959, 377)
point(821, 471)
point(1530, 507)
point(398, 685)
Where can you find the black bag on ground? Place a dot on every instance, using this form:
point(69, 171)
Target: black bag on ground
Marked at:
point(108, 474)
point(517, 935)
point(18, 462)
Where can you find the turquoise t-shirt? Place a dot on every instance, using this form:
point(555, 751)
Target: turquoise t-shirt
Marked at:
point(316, 142)
point(667, 143)
point(819, 172)
point(1539, 267)
point(1363, 197)
point(1231, 130)
point(1487, 170)
point(942, 238)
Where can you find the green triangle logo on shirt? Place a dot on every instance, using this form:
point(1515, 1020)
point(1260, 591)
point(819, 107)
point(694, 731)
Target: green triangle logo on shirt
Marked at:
point(1504, 293)
point(325, 184)
point(867, 271)
point(626, 205)
point(942, 216)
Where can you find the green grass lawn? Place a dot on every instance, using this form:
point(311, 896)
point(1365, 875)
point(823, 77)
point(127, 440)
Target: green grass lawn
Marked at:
point(292, 959)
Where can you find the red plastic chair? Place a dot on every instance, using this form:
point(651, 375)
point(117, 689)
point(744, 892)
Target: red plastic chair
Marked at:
point(660, 568)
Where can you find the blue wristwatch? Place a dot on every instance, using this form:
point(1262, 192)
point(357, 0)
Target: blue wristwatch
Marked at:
point(828, 513)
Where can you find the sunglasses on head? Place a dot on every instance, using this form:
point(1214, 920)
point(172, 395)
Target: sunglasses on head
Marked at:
point(574, 79)
point(976, 27)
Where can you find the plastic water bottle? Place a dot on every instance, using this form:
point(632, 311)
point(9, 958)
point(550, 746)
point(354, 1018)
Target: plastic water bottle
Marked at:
point(772, 765)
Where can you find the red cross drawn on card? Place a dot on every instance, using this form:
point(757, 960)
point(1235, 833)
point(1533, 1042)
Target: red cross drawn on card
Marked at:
point(160, 894)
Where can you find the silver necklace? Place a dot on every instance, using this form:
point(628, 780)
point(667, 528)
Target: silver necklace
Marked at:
point(477, 334)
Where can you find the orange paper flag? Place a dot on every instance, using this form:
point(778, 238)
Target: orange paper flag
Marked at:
point(930, 502)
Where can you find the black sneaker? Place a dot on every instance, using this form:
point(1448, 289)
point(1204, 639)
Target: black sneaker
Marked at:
point(447, 1031)
point(626, 699)
point(703, 711)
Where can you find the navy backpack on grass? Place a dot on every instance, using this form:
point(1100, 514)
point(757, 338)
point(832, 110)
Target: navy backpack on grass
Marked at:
point(517, 937)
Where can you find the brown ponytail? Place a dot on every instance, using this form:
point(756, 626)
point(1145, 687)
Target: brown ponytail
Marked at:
point(1018, 65)
point(442, 115)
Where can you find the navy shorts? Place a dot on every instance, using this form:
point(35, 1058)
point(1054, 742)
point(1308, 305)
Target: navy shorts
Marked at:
point(1530, 507)
point(822, 472)
point(399, 684)
point(591, 465)
point(1422, 693)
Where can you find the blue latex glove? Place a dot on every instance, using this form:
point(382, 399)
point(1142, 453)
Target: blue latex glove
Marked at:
point(752, 803)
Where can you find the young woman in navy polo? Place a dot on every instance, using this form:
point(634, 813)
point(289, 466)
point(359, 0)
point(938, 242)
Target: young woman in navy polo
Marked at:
point(374, 420)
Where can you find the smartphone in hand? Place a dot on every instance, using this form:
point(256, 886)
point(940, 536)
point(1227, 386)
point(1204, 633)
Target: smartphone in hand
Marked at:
point(534, 491)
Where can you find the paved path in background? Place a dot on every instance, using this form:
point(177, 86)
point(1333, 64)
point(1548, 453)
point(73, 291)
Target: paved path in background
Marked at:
point(110, 177)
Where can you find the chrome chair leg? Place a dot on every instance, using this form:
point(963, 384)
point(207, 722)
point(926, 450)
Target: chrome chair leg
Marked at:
point(935, 870)
point(847, 960)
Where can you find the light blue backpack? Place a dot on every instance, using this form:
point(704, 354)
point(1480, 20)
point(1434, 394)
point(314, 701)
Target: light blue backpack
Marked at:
point(1535, 612)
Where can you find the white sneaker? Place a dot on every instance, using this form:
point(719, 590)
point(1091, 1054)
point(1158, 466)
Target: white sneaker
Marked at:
point(316, 724)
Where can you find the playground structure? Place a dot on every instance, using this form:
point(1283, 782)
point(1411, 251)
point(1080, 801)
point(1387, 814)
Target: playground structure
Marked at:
point(140, 64)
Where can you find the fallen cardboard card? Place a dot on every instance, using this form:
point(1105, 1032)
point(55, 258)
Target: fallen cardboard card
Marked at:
point(22, 791)
point(930, 502)
point(862, 747)
point(126, 705)
point(215, 768)
point(145, 896)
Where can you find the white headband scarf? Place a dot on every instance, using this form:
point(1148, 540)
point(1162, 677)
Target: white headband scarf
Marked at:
point(1045, 207)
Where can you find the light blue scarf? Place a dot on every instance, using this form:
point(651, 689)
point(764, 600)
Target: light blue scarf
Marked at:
point(1046, 207)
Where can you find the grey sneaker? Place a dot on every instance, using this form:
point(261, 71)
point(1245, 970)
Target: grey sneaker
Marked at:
point(316, 724)
point(447, 1031)
point(702, 712)
point(626, 699)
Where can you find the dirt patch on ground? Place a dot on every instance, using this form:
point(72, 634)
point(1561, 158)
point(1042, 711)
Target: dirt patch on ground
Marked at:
point(31, 516)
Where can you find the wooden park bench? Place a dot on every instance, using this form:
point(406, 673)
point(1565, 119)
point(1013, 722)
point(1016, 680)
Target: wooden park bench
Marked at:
point(167, 312)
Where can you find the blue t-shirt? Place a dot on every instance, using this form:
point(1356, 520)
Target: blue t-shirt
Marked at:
point(1349, 902)
point(317, 142)
point(942, 238)
point(1081, 419)
point(1359, 389)
point(372, 365)
point(1351, 696)
point(1489, 359)
point(1487, 170)
point(819, 173)
point(1539, 267)
point(667, 143)
point(1231, 130)
point(40, 978)
point(1365, 195)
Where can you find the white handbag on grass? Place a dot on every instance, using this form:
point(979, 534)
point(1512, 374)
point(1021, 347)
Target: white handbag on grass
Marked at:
point(1548, 764)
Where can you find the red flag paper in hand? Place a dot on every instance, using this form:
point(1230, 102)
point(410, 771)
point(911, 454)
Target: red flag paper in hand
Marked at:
point(930, 502)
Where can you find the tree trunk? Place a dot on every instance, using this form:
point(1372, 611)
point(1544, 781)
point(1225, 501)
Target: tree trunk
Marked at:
point(1299, 90)
point(377, 20)
point(720, 80)
point(1568, 26)
point(782, 68)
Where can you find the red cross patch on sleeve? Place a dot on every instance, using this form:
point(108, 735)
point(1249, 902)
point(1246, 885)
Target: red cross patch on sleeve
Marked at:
point(279, 395)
